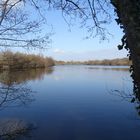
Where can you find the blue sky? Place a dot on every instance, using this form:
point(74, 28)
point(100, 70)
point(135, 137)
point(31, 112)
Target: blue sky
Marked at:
point(69, 43)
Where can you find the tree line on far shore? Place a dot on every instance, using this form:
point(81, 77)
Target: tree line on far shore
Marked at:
point(10, 60)
point(108, 62)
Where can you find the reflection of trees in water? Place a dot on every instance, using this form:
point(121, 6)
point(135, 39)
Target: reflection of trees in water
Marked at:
point(15, 95)
point(8, 77)
point(12, 129)
point(15, 92)
point(128, 96)
point(13, 88)
point(109, 68)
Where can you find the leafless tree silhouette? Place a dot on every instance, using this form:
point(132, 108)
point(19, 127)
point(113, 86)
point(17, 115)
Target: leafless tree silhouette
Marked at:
point(14, 95)
point(18, 28)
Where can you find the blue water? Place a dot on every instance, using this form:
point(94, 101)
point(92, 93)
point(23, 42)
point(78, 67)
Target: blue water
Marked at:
point(71, 103)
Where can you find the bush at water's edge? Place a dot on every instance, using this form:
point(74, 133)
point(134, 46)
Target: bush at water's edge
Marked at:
point(10, 60)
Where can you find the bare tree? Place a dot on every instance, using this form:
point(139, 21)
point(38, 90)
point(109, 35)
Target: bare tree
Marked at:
point(18, 28)
point(16, 23)
point(93, 14)
point(128, 12)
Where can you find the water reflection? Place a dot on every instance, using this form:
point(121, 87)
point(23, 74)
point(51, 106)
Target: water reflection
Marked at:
point(14, 90)
point(12, 129)
point(128, 96)
point(15, 95)
point(10, 77)
point(73, 105)
point(115, 68)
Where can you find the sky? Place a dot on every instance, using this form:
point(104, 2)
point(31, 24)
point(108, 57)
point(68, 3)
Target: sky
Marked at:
point(68, 43)
point(71, 45)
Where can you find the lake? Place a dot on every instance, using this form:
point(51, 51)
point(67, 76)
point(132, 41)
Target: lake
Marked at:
point(68, 103)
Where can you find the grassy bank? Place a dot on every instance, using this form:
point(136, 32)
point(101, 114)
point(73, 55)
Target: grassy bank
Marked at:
point(10, 60)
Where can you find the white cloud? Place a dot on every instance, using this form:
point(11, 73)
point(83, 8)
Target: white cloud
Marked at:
point(58, 51)
point(110, 53)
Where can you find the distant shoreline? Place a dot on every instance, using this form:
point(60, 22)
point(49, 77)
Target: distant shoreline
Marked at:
point(105, 62)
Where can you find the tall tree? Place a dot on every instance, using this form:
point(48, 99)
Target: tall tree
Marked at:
point(128, 12)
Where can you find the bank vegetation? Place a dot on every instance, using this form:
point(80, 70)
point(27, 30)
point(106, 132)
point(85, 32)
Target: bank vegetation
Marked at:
point(108, 62)
point(10, 60)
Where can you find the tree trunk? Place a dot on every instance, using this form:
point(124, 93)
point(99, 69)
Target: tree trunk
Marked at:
point(128, 12)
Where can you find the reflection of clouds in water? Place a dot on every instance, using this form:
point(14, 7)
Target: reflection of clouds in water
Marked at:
point(57, 78)
point(10, 129)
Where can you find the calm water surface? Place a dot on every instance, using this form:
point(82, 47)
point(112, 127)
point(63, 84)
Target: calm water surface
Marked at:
point(68, 103)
